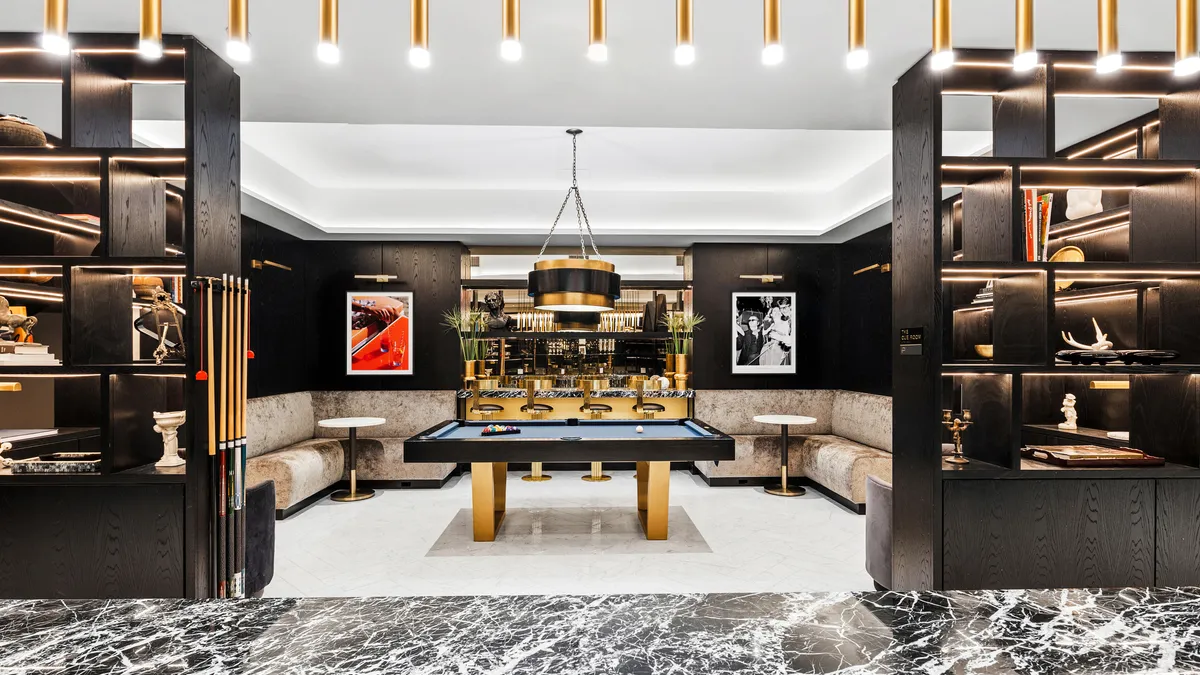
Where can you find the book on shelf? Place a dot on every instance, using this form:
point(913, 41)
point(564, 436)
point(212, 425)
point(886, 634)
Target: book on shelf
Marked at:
point(1030, 211)
point(1037, 225)
point(28, 360)
point(15, 435)
point(20, 348)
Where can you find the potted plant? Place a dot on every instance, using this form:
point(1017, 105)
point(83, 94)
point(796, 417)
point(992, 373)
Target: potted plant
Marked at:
point(468, 326)
point(681, 326)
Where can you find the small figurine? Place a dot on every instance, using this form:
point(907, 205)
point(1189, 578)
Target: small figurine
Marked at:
point(1102, 341)
point(1068, 409)
point(497, 319)
point(13, 326)
point(956, 426)
point(4, 461)
point(161, 321)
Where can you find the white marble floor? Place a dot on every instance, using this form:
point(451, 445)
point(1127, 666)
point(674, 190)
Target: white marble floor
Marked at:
point(382, 546)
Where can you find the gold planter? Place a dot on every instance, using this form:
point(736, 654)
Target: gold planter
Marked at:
point(681, 381)
point(480, 369)
point(670, 370)
point(469, 370)
point(681, 364)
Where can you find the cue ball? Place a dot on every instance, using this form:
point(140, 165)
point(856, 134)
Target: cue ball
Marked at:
point(639, 429)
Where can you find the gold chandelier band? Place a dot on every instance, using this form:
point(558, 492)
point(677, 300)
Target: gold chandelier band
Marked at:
point(574, 327)
point(574, 264)
point(594, 301)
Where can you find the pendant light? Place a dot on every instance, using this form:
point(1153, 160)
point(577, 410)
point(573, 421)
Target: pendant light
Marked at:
point(772, 54)
point(578, 284)
point(418, 53)
point(328, 50)
point(510, 20)
point(150, 42)
point(597, 31)
point(1026, 57)
point(856, 53)
point(577, 322)
point(54, 31)
point(1187, 58)
point(238, 46)
point(943, 45)
point(685, 51)
point(1108, 55)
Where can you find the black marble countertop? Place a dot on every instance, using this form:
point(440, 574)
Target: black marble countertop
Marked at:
point(577, 393)
point(1076, 631)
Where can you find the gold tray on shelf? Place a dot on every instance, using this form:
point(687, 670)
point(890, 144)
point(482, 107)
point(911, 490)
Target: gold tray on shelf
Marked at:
point(1089, 455)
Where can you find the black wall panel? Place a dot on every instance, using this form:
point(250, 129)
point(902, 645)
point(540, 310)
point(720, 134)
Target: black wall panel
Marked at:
point(279, 331)
point(865, 315)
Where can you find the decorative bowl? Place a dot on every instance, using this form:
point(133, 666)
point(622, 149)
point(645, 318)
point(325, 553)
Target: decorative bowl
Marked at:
point(985, 351)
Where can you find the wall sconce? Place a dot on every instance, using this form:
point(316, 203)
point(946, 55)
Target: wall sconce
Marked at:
point(765, 278)
point(10, 386)
point(377, 278)
point(883, 268)
point(259, 264)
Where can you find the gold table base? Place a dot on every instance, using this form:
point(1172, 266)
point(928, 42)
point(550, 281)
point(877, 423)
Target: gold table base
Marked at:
point(353, 494)
point(783, 489)
point(488, 498)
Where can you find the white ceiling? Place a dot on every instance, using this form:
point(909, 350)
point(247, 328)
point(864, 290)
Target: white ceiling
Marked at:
point(726, 147)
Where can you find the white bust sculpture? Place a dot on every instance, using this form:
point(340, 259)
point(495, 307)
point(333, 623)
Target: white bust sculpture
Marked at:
point(1068, 409)
point(168, 424)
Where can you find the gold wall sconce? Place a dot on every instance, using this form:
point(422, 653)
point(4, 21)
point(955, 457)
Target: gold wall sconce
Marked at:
point(260, 264)
point(765, 278)
point(883, 268)
point(377, 278)
point(10, 386)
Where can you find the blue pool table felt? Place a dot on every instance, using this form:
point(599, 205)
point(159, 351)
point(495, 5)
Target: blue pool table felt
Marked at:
point(584, 431)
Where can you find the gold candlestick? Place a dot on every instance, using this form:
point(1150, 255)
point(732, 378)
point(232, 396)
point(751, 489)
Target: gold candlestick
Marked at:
point(957, 426)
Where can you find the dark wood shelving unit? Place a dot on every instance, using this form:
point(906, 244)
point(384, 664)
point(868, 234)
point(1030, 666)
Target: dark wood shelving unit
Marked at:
point(560, 335)
point(171, 212)
point(1003, 521)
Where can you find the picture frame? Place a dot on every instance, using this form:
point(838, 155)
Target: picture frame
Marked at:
point(763, 333)
point(379, 333)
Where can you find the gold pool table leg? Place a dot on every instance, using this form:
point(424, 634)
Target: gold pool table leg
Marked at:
point(488, 483)
point(654, 486)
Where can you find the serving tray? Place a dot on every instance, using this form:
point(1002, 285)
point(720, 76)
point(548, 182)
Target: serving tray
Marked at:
point(1089, 456)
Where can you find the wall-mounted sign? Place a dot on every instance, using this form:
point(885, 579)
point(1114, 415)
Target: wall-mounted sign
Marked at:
point(912, 341)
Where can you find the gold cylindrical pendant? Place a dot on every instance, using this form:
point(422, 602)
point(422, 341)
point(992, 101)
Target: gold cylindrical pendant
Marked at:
point(771, 22)
point(420, 24)
point(1107, 39)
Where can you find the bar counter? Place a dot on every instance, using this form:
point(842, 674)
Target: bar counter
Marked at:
point(1077, 631)
point(577, 393)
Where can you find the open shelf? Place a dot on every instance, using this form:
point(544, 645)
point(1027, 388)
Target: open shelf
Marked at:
point(1057, 173)
point(530, 335)
point(1035, 470)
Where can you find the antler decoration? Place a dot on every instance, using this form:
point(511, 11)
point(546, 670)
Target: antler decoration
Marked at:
point(1102, 341)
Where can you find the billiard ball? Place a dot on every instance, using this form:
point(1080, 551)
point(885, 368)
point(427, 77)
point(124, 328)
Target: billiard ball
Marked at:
point(639, 429)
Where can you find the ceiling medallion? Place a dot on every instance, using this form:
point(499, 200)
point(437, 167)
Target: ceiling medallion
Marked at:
point(575, 284)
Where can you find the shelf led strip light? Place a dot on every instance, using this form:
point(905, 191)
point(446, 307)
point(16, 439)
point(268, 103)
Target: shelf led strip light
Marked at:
point(29, 294)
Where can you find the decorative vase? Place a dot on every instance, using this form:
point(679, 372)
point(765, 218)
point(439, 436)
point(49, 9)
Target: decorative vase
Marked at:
point(469, 370)
point(17, 131)
point(681, 381)
point(168, 424)
point(480, 368)
point(681, 364)
point(670, 370)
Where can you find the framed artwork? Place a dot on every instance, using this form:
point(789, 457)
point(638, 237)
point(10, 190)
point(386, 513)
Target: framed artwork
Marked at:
point(763, 334)
point(379, 334)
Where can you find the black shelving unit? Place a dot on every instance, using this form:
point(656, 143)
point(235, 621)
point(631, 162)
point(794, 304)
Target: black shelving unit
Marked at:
point(131, 530)
point(1003, 521)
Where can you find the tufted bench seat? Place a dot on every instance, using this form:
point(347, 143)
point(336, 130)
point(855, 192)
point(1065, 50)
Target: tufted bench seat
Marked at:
point(851, 440)
point(306, 461)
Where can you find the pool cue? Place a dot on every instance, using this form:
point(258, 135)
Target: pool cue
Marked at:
point(235, 466)
point(234, 432)
point(240, 464)
point(213, 480)
point(221, 498)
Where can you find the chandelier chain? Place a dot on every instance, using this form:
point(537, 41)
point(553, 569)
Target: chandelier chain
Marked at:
point(580, 212)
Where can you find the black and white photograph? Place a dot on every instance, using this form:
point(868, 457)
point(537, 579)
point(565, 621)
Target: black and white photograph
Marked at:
point(763, 335)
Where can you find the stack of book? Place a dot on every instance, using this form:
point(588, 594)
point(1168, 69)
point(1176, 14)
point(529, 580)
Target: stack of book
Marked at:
point(1037, 225)
point(26, 354)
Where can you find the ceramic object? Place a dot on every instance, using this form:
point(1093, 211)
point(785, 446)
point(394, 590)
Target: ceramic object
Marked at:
point(14, 325)
point(1101, 344)
point(985, 351)
point(1067, 254)
point(168, 424)
point(1082, 203)
point(1068, 410)
point(16, 131)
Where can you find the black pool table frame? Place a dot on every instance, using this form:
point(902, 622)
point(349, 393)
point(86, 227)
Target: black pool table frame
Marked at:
point(489, 458)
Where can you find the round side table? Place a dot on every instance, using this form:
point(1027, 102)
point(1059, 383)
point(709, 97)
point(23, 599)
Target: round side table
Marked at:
point(783, 421)
point(353, 424)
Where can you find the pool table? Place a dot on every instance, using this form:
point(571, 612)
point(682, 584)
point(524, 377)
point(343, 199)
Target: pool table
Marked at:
point(653, 449)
